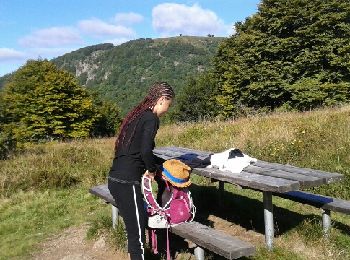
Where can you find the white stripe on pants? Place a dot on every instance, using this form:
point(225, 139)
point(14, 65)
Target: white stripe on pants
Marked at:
point(138, 222)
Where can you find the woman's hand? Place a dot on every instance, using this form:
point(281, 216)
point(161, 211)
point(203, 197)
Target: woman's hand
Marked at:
point(150, 175)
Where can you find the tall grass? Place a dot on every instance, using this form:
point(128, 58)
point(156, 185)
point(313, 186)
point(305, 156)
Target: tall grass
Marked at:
point(318, 139)
point(57, 165)
point(44, 188)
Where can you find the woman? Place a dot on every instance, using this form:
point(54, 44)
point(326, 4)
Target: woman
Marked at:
point(134, 157)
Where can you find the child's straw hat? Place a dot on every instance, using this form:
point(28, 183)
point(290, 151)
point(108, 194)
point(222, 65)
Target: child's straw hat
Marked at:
point(177, 173)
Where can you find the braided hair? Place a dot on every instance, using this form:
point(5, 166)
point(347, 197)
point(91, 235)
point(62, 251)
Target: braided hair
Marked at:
point(157, 90)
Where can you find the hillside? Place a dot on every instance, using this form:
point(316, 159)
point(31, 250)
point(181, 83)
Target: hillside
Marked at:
point(4, 79)
point(123, 73)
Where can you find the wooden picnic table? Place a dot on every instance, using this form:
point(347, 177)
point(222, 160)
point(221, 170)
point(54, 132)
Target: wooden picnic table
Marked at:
point(262, 176)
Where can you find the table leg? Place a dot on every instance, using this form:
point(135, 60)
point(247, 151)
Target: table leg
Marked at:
point(114, 216)
point(221, 193)
point(221, 186)
point(268, 218)
point(326, 221)
point(199, 253)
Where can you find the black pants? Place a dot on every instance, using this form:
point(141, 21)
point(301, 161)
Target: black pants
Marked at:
point(131, 207)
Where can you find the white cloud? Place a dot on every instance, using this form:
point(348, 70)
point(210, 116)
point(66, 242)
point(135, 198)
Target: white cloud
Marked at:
point(117, 41)
point(49, 52)
point(230, 29)
point(98, 28)
point(7, 54)
point(128, 18)
point(171, 18)
point(51, 37)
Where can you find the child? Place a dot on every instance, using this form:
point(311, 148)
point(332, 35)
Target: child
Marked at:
point(133, 157)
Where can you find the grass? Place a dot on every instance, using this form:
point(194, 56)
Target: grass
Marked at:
point(29, 217)
point(44, 188)
point(57, 165)
point(318, 139)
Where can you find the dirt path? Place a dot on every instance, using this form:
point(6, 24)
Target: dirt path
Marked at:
point(72, 245)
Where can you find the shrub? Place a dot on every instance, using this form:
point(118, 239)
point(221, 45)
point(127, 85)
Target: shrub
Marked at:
point(8, 144)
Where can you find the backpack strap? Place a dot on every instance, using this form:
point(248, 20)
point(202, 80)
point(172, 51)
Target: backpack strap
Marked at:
point(167, 245)
point(154, 241)
point(153, 206)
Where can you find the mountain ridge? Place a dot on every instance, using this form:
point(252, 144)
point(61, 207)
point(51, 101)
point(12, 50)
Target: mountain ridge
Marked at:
point(124, 72)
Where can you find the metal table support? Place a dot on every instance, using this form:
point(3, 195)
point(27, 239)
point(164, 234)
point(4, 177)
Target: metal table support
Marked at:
point(326, 221)
point(115, 213)
point(268, 218)
point(199, 253)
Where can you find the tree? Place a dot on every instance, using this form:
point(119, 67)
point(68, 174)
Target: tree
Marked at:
point(109, 116)
point(291, 53)
point(197, 100)
point(7, 141)
point(43, 102)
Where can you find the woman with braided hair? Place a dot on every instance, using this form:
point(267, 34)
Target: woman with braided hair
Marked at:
point(134, 157)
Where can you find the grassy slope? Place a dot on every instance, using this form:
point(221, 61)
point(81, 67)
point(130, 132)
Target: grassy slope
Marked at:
point(54, 179)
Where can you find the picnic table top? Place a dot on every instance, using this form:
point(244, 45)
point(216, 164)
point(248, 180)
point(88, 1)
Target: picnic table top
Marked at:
point(261, 175)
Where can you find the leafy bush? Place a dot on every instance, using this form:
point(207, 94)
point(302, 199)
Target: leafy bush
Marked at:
point(197, 100)
point(108, 117)
point(8, 144)
point(43, 102)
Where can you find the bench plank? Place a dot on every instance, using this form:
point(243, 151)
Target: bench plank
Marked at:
point(316, 200)
point(102, 192)
point(203, 236)
point(214, 240)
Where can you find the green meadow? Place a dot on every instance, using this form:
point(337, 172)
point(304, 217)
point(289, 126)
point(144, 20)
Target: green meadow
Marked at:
point(44, 187)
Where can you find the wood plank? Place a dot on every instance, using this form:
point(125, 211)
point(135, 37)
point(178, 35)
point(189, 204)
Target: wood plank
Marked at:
point(342, 206)
point(178, 151)
point(326, 176)
point(102, 192)
point(189, 150)
point(304, 180)
point(251, 180)
point(317, 200)
point(190, 158)
point(216, 241)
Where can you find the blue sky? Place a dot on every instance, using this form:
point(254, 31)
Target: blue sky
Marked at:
point(49, 28)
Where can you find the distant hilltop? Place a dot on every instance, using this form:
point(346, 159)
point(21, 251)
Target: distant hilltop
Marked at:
point(124, 72)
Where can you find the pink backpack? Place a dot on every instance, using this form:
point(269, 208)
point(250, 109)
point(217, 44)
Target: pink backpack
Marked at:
point(178, 208)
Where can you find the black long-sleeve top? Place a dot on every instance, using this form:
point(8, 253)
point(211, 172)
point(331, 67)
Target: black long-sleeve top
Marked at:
point(133, 159)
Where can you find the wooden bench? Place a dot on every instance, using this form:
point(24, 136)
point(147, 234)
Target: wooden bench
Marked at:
point(327, 204)
point(202, 236)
